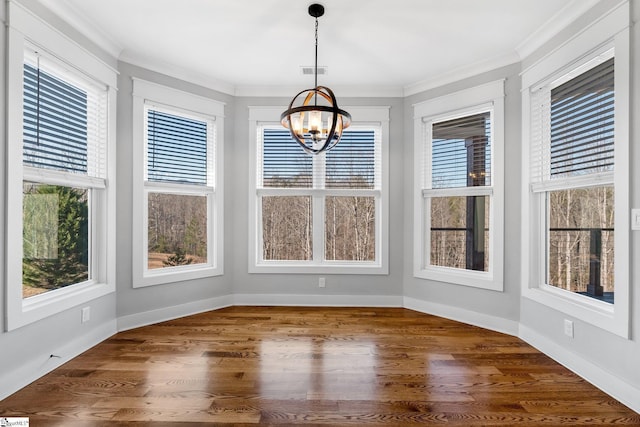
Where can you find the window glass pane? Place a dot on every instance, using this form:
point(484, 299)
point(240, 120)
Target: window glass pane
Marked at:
point(350, 228)
point(460, 232)
point(284, 163)
point(55, 237)
point(54, 122)
point(352, 163)
point(177, 230)
point(582, 123)
point(176, 148)
point(581, 241)
point(287, 228)
point(461, 152)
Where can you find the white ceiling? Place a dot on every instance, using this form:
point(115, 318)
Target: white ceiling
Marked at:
point(381, 46)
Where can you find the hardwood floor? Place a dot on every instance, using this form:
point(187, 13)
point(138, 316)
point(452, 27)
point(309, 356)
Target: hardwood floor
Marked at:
point(246, 366)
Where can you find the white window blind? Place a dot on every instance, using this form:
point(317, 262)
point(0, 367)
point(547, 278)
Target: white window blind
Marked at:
point(582, 123)
point(284, 164)
point(461, 152)
point(572, 127)
point(353, 164)
point(178, 148)
point(64, 119)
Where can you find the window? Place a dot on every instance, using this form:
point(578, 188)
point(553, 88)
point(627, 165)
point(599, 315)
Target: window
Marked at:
point(60, 191)
point(576, 128)
point(179, 171)
point(320, 213)
point(459, 188)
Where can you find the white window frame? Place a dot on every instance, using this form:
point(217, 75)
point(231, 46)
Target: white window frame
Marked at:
point(148, 94)
point(484, 98)
point(26, 31)
point(610, 31)
point(377, 117)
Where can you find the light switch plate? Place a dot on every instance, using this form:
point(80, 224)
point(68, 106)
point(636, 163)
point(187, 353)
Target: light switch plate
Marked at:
point(635, 219)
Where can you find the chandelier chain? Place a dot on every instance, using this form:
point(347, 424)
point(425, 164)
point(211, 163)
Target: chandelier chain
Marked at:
point(316, 64)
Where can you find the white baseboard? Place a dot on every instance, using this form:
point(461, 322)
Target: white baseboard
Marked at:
point(35, 368)
point(605, 381)
point(493, 323)
point(151, 317)
point(318, 300)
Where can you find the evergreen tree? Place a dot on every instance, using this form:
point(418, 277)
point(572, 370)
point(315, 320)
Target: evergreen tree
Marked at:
point(66, 261)
point(178, 258)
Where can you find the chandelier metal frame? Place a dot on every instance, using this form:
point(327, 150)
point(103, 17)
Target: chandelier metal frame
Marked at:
point(314, 138)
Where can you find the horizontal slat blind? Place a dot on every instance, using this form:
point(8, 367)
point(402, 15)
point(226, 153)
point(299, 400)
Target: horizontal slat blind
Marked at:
point(582, 123)
point(55, 122)
point(176, 148)
point(284, 164)
point(354, 162)
point(540, 106)
point(64, 119)
point(461, 152)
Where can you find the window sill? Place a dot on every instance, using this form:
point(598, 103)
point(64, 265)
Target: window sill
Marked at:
point(53, 302)
point(176, 274)
point(288, 267)
point(587, 309)
point(474, 279)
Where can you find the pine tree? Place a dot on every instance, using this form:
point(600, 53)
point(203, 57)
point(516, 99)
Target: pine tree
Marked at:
point(64, 261)
point(178, 258)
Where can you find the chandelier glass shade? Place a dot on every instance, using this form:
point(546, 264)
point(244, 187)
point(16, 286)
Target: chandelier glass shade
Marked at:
point(313, 118)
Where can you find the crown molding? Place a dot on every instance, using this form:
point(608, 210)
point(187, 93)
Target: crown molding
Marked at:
point(558, 22)
point(177, 72)
point(462, 73)
point(84, 25)
point(340, 91)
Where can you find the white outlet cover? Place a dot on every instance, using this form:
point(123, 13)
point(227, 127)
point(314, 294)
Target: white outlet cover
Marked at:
point(635, 219)
point(568, 328)
point(86, 314)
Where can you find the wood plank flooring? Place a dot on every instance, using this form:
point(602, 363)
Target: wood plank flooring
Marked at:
point(286, 366)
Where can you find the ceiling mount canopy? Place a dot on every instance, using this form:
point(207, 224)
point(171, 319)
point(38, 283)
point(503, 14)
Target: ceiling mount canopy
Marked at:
point(313, 118)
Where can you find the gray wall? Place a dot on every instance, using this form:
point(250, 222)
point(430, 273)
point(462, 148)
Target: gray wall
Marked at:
point(305, 284)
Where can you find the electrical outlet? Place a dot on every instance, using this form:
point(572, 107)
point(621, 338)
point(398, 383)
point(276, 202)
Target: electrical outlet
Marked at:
point(635, 219)
point(86, 314)
point(568, 328)
point(321, 282)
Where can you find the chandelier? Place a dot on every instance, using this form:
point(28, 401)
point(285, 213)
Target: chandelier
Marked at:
point(313, 117)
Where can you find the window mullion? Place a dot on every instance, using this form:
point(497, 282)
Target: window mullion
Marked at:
point(318, 228)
